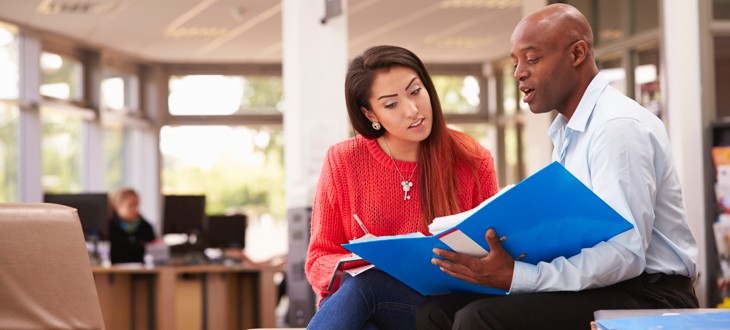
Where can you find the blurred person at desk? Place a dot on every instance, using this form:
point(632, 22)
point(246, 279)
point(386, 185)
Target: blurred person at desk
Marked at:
point(403, 169)
point(128, 230)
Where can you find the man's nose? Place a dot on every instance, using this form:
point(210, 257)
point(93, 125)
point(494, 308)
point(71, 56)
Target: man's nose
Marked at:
point(520, 73)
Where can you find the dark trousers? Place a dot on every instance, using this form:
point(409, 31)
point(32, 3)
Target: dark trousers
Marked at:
point(554, 310)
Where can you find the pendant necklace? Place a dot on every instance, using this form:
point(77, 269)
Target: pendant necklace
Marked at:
point(406, 184)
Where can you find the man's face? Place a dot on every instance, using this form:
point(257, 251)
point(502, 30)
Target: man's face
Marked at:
point(543, 67)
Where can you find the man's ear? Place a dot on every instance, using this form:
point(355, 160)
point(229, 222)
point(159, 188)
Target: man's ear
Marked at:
point(579, 51)
point(369, 114)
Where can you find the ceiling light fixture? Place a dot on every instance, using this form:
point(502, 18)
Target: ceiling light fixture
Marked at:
point(476, 4)
point(195, 32)
point(456, 42)
point(56, 7)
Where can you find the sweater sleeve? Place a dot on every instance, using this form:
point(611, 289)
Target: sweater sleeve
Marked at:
point(327, 233)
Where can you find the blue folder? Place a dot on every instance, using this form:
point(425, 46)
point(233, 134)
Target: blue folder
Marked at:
point(547, 215)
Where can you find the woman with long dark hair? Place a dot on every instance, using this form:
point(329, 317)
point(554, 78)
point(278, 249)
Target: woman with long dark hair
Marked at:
point(403, 169)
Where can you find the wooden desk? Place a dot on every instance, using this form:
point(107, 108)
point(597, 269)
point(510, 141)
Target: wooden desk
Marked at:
point(187, 297)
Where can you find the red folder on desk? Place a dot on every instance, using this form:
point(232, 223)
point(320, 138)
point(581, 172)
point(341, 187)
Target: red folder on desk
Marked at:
point(548, 215)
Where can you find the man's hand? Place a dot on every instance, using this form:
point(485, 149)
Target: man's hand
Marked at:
point(493, 270)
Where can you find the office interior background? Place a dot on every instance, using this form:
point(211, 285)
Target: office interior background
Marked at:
point(239, 99)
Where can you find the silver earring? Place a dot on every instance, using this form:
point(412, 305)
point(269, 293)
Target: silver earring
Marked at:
point(376, 125)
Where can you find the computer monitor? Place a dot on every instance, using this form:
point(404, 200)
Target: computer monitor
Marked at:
point(93, 208)
point(183, 214)
point(226, 231)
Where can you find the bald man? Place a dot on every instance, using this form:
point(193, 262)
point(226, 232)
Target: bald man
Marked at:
point(618, 149)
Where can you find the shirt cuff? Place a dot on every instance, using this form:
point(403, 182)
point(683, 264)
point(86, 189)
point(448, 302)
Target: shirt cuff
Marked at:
point(524, 278)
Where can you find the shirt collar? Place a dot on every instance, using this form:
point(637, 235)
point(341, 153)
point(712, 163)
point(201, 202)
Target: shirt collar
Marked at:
point(579, 120)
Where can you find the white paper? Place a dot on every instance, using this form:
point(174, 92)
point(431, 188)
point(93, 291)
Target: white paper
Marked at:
point(442, 223)
point(459, 242)
point(358, 270)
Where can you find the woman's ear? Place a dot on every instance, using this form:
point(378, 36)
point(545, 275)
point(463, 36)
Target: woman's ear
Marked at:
point(369, 114)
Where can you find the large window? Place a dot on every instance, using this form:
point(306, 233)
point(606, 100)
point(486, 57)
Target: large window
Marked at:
point(510, 92)
point(461, 90)
point(237, 168)
point(61, 151)
point(8, 153)
point(9, 111)
point(458, 94)
point(120, 93)
point(61, 77)
point(224, 95)
point(114, 156)
point(223, 139)
point(511, 123)
point(9, 61)
point(122, 120)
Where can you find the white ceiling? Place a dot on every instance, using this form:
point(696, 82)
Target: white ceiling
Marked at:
point(249, 31)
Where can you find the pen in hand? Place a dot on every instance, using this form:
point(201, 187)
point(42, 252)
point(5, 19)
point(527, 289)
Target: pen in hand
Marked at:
point(359, 222)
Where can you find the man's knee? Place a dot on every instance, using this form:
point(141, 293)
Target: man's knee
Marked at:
point(474, 316)
point(431, 315)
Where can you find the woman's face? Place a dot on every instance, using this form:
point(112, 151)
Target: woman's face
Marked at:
point(128, 209)
point(401, 104)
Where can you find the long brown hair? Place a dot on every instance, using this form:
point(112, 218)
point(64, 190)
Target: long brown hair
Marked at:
point(438, 154)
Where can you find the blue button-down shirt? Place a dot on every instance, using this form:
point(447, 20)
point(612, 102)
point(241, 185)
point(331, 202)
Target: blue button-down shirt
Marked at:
point(621, 151)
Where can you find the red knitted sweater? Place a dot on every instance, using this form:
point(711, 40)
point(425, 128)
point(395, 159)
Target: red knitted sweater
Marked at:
point(359, 178)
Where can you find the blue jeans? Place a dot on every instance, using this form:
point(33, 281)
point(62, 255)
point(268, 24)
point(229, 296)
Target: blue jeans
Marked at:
point(371, 300)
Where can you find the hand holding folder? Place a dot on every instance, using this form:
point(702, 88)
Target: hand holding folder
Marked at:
point(548, 215)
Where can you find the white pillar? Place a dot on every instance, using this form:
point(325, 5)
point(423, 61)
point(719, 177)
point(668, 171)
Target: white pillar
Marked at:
point(537, 146)
point(314, 65)
point(683, 94)
point(29, 126)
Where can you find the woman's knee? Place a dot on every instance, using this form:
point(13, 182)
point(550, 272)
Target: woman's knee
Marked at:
point(375, 277)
